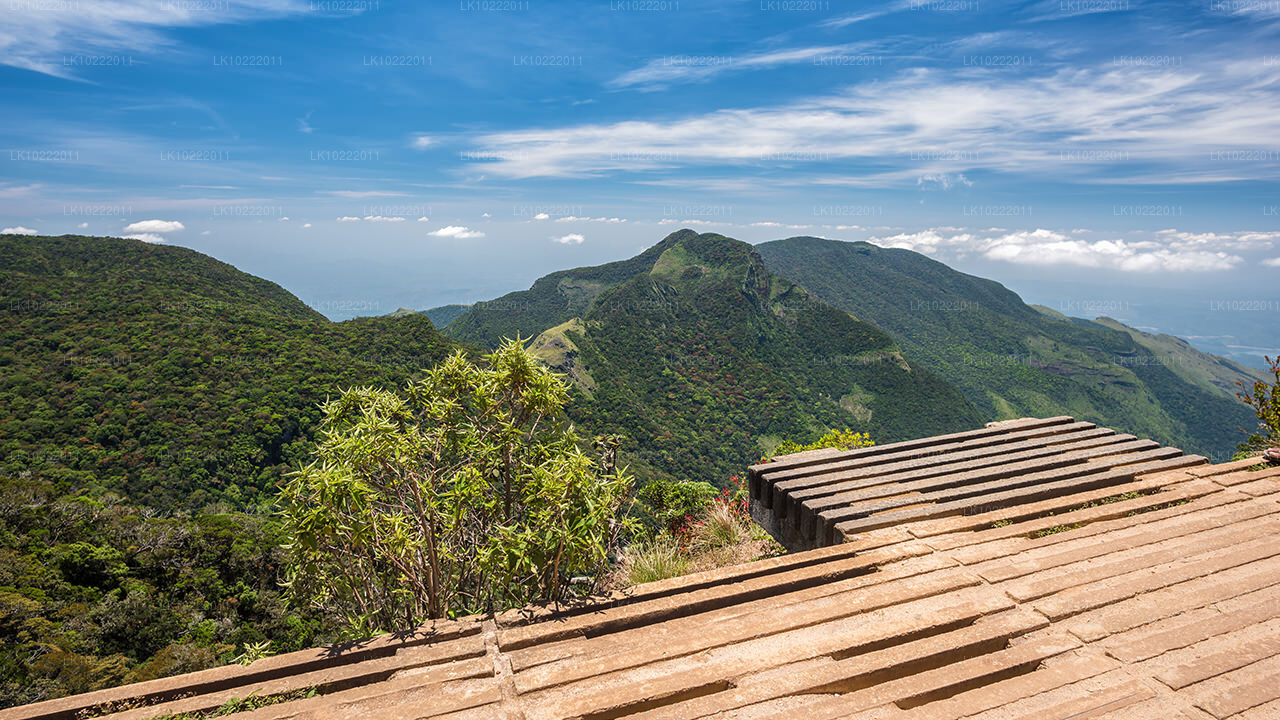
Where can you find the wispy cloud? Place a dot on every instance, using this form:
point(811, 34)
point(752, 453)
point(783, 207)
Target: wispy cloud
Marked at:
point(38, 36)
point(847, 20)
point(359, 194)
point(662, 72)
point(1069, 123)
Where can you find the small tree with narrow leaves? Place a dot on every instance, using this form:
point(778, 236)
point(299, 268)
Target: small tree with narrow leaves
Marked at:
point(1265, 401)
point(466, 493)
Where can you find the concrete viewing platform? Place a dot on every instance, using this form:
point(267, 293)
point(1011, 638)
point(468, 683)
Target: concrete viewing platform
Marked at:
point(1152, 596)
point(821, 497)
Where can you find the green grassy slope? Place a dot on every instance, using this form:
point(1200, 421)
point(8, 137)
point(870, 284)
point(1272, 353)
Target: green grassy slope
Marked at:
point(1006, 357)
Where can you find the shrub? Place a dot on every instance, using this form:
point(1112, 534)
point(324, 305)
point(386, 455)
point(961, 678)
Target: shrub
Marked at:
point(1265, 401)
point(839, 439)
point(466, 493)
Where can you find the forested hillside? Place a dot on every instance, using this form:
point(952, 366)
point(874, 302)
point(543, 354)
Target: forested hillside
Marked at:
point(1011, 360)
point(151, 398)
point(703, 359)
point(170, 377)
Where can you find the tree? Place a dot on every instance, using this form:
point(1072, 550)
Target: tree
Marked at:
point(466, 493)
point(1265, 401)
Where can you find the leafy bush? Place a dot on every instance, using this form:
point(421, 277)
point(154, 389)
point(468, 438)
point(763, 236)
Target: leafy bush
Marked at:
point(672, 504)
point(466, 493)
point(839, 439)
point(1265, 401)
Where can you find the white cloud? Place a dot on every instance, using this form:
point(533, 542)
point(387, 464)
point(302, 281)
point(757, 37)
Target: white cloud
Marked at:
point(570, 239)
point(18, 190)
point(541, 216)
point(83, 225)
point(942, 180)
point(358, 194)
point(486, 215)
point(348, 218)
point(380, 218)
point(424, 218)
point(1272, 262)
point(19, 230)
point(457, 231)
point(940, 125)
point(146, 238)
point(38, 35)
point(1157, 253)
point(421, 142)
point(572, 218)
point(283, 219)
point(771, 224)
point(664, 71)
point(306, 225)
point(154, 226)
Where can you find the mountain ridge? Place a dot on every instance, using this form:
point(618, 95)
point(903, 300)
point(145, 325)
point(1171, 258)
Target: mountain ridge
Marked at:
point(1007, 357)
point(705, 358)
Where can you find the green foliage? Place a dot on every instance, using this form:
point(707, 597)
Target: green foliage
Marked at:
point(96, 592)
point(1265, 402)
point(237, 705)
point(668, 504)
point(719, 532)
point(171, 378)
point(151, 399)
point(839, 439)
point(254, 652)
point(656, 560)
point(466, 493)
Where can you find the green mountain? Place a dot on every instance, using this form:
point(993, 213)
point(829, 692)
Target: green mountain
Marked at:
point(171, 378)
point(1196, 367)
point(445, 314)
point(704, 359)
point(1011, 360)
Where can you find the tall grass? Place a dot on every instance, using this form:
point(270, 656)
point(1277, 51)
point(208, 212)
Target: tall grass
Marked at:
point(659, 560)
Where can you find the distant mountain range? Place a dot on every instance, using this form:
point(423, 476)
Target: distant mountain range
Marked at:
point(1006, 358)
point(176, 380)
point(1011, 360)
point(705, 359)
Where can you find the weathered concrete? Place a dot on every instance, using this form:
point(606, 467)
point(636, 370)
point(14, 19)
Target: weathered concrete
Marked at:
point(1160, 604)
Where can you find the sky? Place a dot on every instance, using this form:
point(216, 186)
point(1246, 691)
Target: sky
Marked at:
point(1112, 157)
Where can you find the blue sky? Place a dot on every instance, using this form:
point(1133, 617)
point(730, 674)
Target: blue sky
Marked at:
point(369, 155)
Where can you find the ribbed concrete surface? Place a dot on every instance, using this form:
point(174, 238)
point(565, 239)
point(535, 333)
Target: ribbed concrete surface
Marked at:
point(821, 497)
point(1154, 598)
